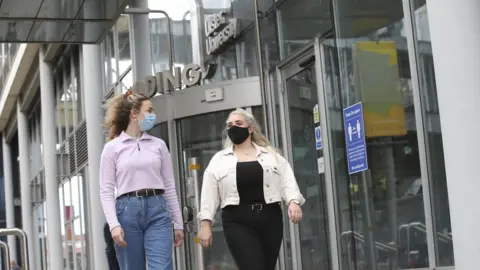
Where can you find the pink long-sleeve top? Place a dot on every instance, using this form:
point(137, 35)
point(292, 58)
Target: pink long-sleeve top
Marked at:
point(128, 165)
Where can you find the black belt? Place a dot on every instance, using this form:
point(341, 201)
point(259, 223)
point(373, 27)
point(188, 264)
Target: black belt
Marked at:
point(144, 193)
point(255, 207)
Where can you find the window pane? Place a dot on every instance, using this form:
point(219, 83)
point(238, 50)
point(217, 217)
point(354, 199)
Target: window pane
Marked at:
point(381, 211)
point(428, 90)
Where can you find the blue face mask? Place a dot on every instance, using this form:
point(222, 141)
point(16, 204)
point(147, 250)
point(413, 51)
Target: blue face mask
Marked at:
point(148, 122)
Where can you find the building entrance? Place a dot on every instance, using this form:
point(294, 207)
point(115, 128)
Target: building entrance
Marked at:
point(195, 120)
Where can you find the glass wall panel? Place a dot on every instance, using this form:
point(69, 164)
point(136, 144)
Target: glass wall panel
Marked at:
point(238, 60)
point(299, 21)
point(179, 12)
point(123, 44)
point(62, 222)
point(428, 90)
point(381, 210)
point(76, 87)
point(110, 62)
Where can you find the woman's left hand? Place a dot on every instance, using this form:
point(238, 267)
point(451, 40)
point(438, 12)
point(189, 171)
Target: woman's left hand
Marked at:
point(178, 238)
point(294, 212)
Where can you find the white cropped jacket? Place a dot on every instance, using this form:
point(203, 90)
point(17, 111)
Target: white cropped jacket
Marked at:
point(220, 183)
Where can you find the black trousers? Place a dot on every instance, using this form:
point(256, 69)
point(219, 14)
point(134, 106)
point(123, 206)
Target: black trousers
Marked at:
point(110, 249)
point(253, 235)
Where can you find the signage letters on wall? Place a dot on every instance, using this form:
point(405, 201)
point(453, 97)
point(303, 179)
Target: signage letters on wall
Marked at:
point(220, 31)
point(166, 81)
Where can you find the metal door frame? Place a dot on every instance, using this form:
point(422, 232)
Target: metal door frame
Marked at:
point(174, 106)
point(286, 69)
point(332, 198)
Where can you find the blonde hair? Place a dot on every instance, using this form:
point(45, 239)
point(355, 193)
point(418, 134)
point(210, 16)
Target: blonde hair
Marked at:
point(119, 107)
point(257, 137)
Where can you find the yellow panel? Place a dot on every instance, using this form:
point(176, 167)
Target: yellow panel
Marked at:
point(194, 167)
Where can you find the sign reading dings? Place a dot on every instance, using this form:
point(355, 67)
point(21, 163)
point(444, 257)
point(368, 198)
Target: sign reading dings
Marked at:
point(355, 138)
point(220, 30)
point(167, 81)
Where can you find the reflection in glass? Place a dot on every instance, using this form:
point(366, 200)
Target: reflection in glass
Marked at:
point(200, 136)
point(302, 98)
point(428, 90)
point(381, 211)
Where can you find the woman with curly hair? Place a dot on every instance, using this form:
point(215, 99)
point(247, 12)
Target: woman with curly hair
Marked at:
point(137, 187)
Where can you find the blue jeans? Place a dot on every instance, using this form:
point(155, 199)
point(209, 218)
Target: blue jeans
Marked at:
point(148, 232)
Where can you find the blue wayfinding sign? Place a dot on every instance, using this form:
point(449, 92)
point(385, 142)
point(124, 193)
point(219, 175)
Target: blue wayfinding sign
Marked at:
point(355, 138)
point(318, 138)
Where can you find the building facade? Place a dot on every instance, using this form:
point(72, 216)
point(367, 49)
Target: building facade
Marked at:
point(394, 197)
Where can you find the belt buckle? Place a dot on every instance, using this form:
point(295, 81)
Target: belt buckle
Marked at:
point(140, 196)
point(257, 207)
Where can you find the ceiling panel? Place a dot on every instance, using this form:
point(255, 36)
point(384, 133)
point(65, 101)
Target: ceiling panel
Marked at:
point(19, 8)
point(89, 32)
point(48, 31)
point(60, 9)
point(15, 30)
point(57, 21)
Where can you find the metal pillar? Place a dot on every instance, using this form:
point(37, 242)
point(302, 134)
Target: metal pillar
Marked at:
point(9, 202)
point(25, 187)
point(47, 97)
point(140, 42)
point(93, 91)
point(458, 84)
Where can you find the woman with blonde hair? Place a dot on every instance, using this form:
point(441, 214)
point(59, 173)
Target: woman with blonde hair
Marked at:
point(249, 179)
point(137, 187)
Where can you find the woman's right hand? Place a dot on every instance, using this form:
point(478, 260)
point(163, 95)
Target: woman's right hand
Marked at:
point(118, 237)
point(205, 234)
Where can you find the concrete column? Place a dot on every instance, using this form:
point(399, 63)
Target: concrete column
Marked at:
point(457, 68)
point(47, 97)
point(93, 90)
point(9, 200)
point(25, 187)
point(140, 42)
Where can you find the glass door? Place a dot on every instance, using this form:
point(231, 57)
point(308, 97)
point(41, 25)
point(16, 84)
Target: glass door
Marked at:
point(305, 147)
point(200, 137)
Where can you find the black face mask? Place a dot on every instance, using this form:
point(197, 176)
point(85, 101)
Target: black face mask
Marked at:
point(238, 134)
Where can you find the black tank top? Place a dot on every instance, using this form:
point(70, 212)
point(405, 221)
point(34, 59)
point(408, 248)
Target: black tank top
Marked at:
point(250, 182)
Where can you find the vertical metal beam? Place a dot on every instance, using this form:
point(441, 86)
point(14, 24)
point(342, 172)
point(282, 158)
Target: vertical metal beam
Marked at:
point(420, 126)
point(140, 48)
point(47, 97)
point(9, 203)
point(260, 65)
point(25, 187)
point(328, 156)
